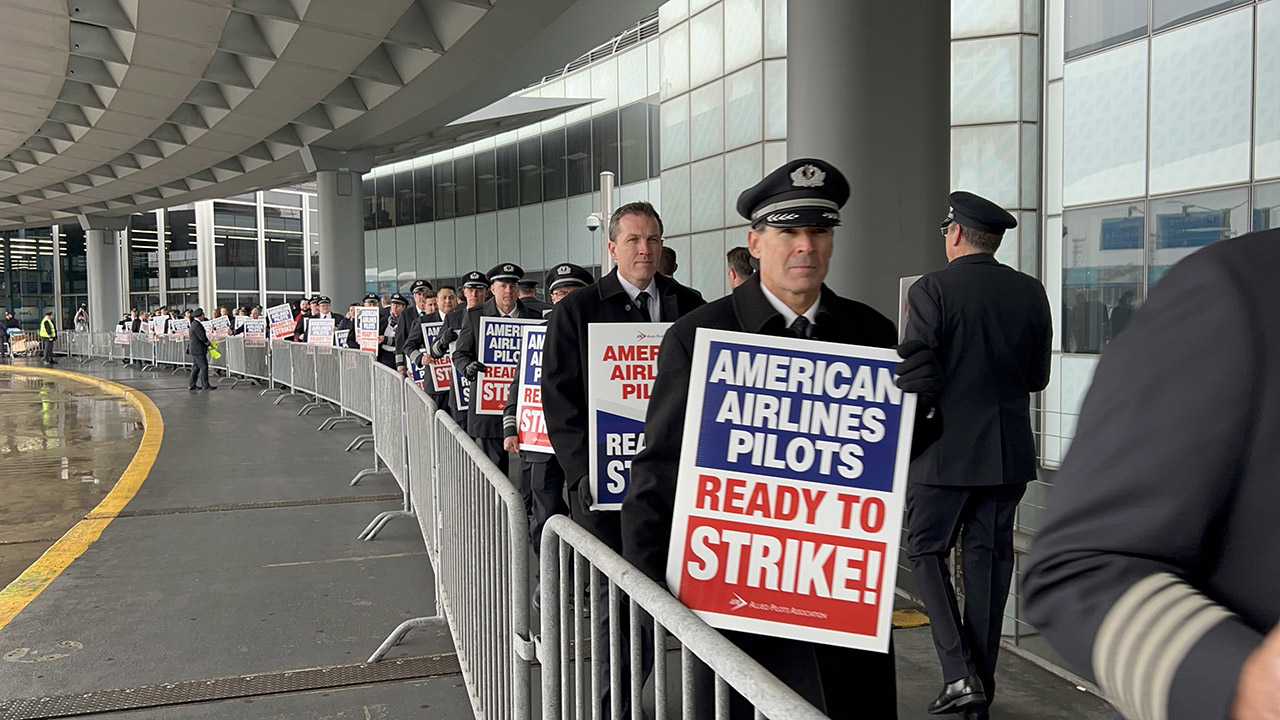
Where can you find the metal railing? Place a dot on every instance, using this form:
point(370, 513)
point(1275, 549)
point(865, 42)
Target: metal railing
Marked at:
point(482, 571)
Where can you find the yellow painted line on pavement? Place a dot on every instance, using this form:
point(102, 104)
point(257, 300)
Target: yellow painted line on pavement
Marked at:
point(33, 580)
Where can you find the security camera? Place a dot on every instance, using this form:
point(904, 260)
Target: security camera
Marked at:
point(593, 222)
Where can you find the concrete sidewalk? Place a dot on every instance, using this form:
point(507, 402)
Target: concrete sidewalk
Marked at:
point(238, 555)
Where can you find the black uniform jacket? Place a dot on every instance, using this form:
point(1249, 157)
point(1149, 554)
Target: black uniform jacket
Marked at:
point(468, 351)
point(865, 684)
point(415, 340)
point(537, 305)
point(197, 339)
point(564, 368)
point(452, 321)
point(1162, 519)
point(405, 324)
point(989, 326)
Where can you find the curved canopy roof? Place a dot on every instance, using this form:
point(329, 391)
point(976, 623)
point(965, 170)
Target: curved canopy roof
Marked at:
point(116, 106)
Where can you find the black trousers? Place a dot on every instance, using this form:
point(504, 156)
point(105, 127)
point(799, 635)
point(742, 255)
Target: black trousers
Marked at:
point(546, 495)
point(981, 518)
point(493, 450)
point(46, 349)
point(199, 371)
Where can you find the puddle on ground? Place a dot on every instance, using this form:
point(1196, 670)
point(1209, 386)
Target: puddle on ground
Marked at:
point(63, 445)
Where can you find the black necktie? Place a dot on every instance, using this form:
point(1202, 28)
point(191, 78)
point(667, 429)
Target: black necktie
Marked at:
point(801, 327)
point(642, 304)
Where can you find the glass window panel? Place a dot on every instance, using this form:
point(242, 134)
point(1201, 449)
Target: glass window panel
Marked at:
point(675, 201)
point(706, 263)
point(424, 199)
point(284, 249)
point(370, 200)
point(385, 204)
point(742, 25)
point(1166, 13)
point(464, 186)
point(1266, 207)
point(1266, 119)
point(706, 120)
point(1029, 244)
point(1201, 94)
point(1053, 149)
point(655, 139)
point(529, 156)
point(275, 197)
point(775, 28)
point(508, 162)
point(984, 80)
point(775, 99)
point(1104, 143)
point(75, 276)
point(634, 131)
point(673, 46)
point(444, 190)
point(1181, 225)
point(144, 256)
point(404, 198)
point(706, 194)
point(486, 182)
point(1007, 253)
point(975, 18)
point(984, 160)
point(578, 157)
point(1096, 24)
point(1031, 16)
point(406, 255)
point(1030, 161)
point(1103, 250)
point(1055, 16)
point(553, 175)
point(604, 146)
point(180, 244)
point(604, 84)
point(742, 169)
point(706, 46)
point(675, 131)
point(1030, 78)
point(744, 101)
point(633, 75)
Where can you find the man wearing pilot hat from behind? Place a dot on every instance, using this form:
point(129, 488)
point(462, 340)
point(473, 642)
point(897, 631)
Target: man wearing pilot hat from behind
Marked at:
point(794, 212)
point(977, 344)
point(487, 429)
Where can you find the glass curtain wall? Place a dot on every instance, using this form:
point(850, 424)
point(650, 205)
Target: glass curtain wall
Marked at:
point(235, 243)
point(144, 262)
point(72, 259)
point(29, 278)
point(182, 258)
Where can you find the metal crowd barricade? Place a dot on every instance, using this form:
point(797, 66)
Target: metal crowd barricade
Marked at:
point(303, 359)
point(220, 362)
point(142, 349)
point(281, 369)
point(388, 440)
point(80, 346)
point(419, 420)
point(329, 384)
point(119, 351)
point(483, 573)
point(354, 391)
point(573, 652)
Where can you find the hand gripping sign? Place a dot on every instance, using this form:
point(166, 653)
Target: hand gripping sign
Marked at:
point(531, 423)
point(623, 364)
point(499, 352)
point(789, 499)
point(281, 319)
point(441, 369)
point(461, 391)
point(367, 328)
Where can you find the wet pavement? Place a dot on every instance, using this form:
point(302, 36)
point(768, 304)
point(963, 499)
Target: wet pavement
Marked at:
point(63, 445)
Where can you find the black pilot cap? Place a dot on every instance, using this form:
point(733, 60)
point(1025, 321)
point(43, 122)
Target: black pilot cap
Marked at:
point(802, 193)
point(978, 213)
point(419, 286)
point(568, 274)
point(476, 279)
point(371, 297)
point(197, 313)
point(506, 272)
point(528, 284)
point(398, 299)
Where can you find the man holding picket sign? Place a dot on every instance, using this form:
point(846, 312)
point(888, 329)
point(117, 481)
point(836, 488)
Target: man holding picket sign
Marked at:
point(485, 349)
point(775, 499)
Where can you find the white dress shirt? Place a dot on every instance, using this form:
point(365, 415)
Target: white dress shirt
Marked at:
point(655, 306)
point(788, 315)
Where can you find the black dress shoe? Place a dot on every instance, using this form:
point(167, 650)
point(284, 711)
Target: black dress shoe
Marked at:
point(976, 713)
point(211, 387)
point(958, 695)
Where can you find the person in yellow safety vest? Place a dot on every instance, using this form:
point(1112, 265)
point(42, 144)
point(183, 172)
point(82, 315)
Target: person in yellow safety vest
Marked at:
point(47, 333)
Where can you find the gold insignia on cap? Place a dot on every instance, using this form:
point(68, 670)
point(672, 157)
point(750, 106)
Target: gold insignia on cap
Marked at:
point(807, 176)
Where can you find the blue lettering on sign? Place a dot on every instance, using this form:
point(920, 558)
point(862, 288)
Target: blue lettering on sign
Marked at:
point(806, 415)
point(1191, 229)
point(532, 365)
point(617, 439)
point(1126, 233)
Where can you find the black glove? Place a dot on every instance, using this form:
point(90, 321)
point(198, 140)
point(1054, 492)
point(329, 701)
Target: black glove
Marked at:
point(447, 336)
point(475, 368)
point(919, 371)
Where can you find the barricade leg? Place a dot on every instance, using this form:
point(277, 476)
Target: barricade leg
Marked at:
point(403, 629)
point(359, 441)
point(332, 421)
point(237, 381)
point(379, 522)
point(375, 470)
point(313, 405)
point(288, 395)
